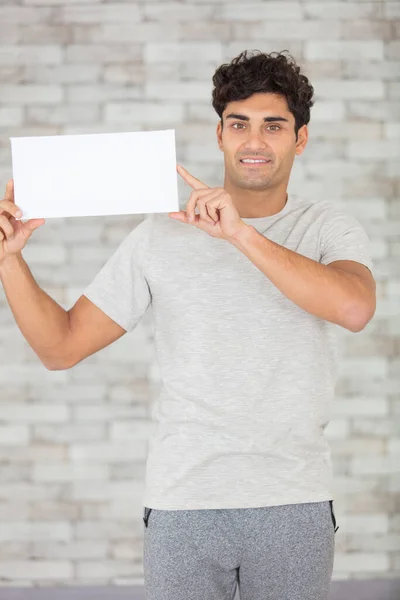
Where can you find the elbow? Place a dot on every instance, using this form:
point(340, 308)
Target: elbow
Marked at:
point(57, 365)
point(358, 317)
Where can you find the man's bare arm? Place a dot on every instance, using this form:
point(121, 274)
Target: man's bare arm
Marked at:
point(60, 338)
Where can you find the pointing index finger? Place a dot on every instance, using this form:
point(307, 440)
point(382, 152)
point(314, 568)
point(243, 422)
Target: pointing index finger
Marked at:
point(194, 183)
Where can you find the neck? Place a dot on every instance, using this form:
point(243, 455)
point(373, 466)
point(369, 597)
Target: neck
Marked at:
point(257, 203)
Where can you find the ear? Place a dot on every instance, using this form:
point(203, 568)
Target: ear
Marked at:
point(302, 139)
point(219, 136)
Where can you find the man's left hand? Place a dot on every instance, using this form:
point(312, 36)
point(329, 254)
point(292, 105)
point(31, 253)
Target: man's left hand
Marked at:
point(218, 215)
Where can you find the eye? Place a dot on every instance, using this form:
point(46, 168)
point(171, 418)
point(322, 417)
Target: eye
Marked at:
point(241, 124)
point(277, 126)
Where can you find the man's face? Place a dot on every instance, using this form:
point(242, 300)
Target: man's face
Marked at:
point(259, 127)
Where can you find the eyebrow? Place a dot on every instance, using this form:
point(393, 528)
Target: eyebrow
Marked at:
point(245, 118)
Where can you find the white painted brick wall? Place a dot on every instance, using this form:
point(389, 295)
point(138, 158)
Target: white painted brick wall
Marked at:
point(73, 444)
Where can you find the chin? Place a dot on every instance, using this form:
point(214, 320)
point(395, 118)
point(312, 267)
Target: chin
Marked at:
point(254, 184)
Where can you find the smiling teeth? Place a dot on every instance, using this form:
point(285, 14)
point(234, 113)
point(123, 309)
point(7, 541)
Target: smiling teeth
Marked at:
point(249, 160)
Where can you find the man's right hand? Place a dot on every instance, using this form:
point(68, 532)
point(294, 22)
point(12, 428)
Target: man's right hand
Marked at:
point(13, 234)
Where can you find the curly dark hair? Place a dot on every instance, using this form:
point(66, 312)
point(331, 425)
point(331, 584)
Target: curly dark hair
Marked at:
point(260, 73)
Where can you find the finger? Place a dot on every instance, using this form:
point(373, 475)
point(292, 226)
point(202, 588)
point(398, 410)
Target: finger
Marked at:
point(9, 195)
point(6, 227)
point(205, 207)
point(194, 183)
point(212, 206)
point(10, 207)
point(194, 198)
point(33, 224)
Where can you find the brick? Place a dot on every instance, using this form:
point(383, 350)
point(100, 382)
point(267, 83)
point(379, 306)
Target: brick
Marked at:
point(182, 51)
point(25, 412)
point(346, 10)
point(393, 88)
point(109, 452)
point(391, 10)
point(384, 465)
point(371, 29)
point(71, 550)
point(342, 89)
point(98, 13)
point(69, 472)
point(99, 93)
point(104, 490)
point(63, 114)
point(287, 29)
point(337, 429)
point(360, 406)
point(60, 531)
point(43, 33)
point(374, 110)
point(62, 73)
point(51, 510)
point(133, 73)
point(173, 12)
point(179, 90)
point(124, 33)
point(358, 447)
point(13, 511)
point(31, 94)
point(372, 50)
point(364, 69)
point(101, 53)
point(14, 434)
point(105, 568)
point(233, 49)
point(199, 30)
point(9, 34)
point(20, 491)
point(392, 50)
point(36, 570)
point(321, 69)
point(253, 11)
point(31, 453)
point(378, 149)
point(366, 523)
point(138, 430)
point(346, 130)
point(24, 14)
point(372, 542)
point(112, 530)
point(49, 255)
point(151, 113)
point(13, 472)
point(59, 2)
point(20, 55)
point(109, 413)
point(325, 110)
point(69, 433)
point(11, 115)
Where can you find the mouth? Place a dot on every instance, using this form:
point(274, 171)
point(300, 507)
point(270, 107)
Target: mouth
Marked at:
point(254, 162)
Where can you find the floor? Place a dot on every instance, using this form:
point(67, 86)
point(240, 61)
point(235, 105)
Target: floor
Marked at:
point(379, 589)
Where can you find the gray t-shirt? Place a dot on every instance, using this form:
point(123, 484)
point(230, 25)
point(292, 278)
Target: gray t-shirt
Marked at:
point(247, 375)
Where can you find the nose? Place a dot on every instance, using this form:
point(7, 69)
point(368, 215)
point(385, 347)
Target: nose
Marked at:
point(255, 142)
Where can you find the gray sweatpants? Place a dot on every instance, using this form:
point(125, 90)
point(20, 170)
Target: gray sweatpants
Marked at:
point(281, 552)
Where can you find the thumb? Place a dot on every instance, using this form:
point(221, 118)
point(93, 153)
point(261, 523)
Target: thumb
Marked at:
point(179, 216)
point(33, 224)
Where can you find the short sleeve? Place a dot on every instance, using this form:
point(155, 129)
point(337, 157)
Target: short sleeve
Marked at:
point(120, 289)
point(342, 237)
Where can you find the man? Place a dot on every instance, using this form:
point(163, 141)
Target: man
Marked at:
point(246, 295)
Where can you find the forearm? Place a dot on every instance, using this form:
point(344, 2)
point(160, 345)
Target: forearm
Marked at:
point(320, 290)
point(43, 322)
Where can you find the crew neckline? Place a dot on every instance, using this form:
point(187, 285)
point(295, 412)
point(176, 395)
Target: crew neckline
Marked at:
point(267, 218)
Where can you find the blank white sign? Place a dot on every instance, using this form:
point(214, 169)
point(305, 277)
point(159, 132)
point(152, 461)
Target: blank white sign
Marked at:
point(95, 174)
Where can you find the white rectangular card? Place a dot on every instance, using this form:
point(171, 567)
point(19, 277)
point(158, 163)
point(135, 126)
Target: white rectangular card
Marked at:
point(95, 174)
